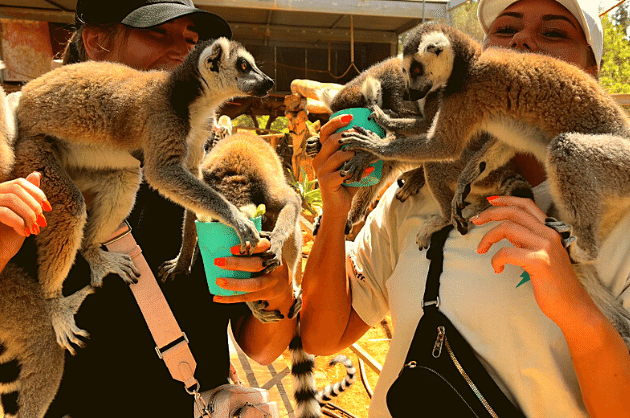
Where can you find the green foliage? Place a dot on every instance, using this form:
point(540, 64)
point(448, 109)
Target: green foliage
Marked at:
point(464, 18)
point(615, 73)
point(279, 125)
point(309, 192)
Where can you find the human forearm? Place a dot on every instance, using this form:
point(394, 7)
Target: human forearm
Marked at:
point(600, 357)
point(601, 360)
point(329, 323)
point(264, 342)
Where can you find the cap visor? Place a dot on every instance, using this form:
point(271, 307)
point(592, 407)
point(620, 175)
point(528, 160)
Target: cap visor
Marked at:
point(208, 25)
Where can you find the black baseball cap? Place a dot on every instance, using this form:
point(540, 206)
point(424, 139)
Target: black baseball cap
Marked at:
point(148, 13)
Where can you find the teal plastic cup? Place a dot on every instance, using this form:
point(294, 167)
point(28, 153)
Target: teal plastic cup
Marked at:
point(215, 241)
point(360, 117)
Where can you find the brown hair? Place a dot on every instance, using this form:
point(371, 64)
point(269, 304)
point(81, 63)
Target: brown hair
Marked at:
point(75, 48)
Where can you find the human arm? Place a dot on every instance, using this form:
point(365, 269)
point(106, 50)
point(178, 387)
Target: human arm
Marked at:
point(599, 355)
point(328, 321)
point(263, 342)
point(22, 204)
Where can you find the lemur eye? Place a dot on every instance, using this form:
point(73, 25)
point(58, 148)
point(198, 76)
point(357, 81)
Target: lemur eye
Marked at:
point(416, 69)
point(244, 65)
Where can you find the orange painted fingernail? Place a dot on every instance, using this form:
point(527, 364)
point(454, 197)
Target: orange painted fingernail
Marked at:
point(41, 220)
point(218, 298)
point(35, 229)
point(221, 282)
point(346, 118)
point(368, 170)
point(491, 198)
point(27, 232)
point(46, 205)
point(219, 262)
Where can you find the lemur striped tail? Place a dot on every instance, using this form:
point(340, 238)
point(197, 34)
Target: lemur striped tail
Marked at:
point(335, 389)
point(304, 386)
point(307, 398)
point(10, 369)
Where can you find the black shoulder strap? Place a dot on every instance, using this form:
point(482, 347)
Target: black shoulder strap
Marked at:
point(435, 253)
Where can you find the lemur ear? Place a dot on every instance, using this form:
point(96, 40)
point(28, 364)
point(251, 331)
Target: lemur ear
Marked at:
point(215, 54)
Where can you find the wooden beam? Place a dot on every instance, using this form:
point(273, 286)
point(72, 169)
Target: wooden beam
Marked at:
point(363, 355)
point(622, 99)
point(310, 34)
point(388, 8)
point(44, 15)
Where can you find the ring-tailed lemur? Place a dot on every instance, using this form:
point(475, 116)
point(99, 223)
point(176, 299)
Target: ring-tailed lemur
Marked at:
point(220, 129)
point(531, 103)
point(81, 125)
point(246, 170)
point(382, 88)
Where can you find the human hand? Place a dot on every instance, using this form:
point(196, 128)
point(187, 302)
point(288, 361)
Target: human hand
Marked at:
point(336, 199)
point(536, 248)
point(274, 287)
point(22, 204)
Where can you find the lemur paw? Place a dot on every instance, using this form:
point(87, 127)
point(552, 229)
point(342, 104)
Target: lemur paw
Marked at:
point(172, 268)
point(248, 234)
point(423, 239)
point(296, 307)
point(458, 204)
point(62, 312)
point(410, 183)
point(379, 116)
point(272, 258)
point(357, 165)
point(362, 139)
point(103, 263)
point(258, 310)
point(313, 146)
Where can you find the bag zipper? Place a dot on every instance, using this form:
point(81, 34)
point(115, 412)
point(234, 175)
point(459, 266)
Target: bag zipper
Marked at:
point(440, 341)
point(412, 365)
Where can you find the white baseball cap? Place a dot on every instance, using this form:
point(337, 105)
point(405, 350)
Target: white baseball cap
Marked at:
point(585, 11)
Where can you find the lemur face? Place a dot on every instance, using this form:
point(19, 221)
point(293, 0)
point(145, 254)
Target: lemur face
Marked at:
point(228, 64)
point(430, 67)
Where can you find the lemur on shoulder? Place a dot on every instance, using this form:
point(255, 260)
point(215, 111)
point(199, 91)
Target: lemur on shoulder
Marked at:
point(383, 89)
point(88, 126)
point(530, 103)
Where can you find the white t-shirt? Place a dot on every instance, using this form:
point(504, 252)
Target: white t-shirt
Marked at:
point(523, 350)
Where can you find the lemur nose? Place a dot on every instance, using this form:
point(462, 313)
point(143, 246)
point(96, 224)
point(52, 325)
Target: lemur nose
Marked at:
point(437, 50)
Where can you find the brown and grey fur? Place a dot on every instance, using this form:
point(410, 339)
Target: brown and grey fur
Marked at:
point(247, 172)
point(7, 132)
point(382, 88)
point(85, 126)
point(31, 361)
point(533, 104)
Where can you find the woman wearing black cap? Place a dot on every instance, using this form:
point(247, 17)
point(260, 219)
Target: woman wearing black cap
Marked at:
point(118, 373)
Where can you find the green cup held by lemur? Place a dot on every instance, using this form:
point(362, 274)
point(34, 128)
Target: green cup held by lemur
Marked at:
point(215, 241)
point(360, 117)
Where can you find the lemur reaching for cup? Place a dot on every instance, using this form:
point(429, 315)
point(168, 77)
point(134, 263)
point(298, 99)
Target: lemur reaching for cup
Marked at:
point(87, 126)
point(382, 88)
point(247, 172)
point(530, 103)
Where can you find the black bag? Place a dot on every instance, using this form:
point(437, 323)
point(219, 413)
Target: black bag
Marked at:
point(442, 376)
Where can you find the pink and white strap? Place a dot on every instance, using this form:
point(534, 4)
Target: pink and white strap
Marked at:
point(171, 342)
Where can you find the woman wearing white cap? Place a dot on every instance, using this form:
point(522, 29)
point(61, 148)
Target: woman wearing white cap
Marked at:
point(545, 343)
